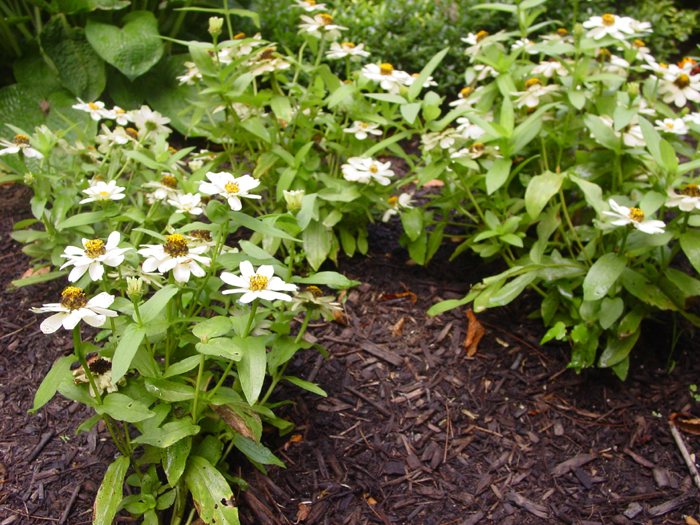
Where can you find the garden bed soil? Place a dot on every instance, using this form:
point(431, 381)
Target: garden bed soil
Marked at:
point(413, 429)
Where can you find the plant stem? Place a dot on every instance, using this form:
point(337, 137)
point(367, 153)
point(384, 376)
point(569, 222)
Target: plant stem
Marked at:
point(197, 390)
point(571, 226)
point(304, 325)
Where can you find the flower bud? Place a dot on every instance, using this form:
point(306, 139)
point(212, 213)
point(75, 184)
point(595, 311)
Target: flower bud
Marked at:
point(196, 164)
point(215, 25)
point(28, 178)
point(579, 31)
point(134, 288)
point(293, 199)
point(633, 89)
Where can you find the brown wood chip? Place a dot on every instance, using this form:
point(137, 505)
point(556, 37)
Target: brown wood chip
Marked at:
point(381, 353)
point(530, 506)
point(577, 461)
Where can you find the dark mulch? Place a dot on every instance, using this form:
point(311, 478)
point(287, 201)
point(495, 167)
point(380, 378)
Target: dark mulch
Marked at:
point(412, 431)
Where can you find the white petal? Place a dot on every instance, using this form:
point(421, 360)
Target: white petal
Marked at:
point(101, 300)
point(247, 270)
point(96, 271)
point(95, 320)
point(53, 323)
point(181, 273)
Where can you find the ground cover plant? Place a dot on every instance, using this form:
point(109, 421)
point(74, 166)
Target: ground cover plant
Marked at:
point(304, 161)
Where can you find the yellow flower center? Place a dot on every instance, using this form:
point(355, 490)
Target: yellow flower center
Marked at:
point(232, 187)
point(532, 82)
point(326, 19)
point(93, 106)
point(393, 200)
point(669, 125)
point(465, 92)
point(168, 181)
point(175, 245)
point(73, 298)
point(683, 81)
point(311, 3)
point(362, 125)
point(373, 168)
point(604, 55)
point(665, 66)
point(686, 61)
point(386, 69)
point(258, 283)
point(315, 291)
point(131, 132)
point(638, 44)
point(636, 215)
point(608, 19)
point(204, 235)
point(347, 45)
point(95, 248)
point(691, 190)
point(104, 193)
point(119, 111)
point(239, 36)
point(562, 32)
point(21, 140)
point(477, 147)
point(481, 35)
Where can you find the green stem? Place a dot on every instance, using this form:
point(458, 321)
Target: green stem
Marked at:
point(78, 350)
point(571, 226)
point(197, 391)
point(304, 325)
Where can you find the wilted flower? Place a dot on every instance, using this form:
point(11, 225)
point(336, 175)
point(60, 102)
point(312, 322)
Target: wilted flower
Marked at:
point(363, 170)
point(257, 285)
point(101, 371)
point(315, 304)
point(73, 307)
point(103, 191)
point(679, 86)
point(402, 202)
point(230, 187)
point(688, 200)
point(175, 255)
point(362, 129)
point(444, 139)
point(635, 217)
point(19, 144)
point(91, 258)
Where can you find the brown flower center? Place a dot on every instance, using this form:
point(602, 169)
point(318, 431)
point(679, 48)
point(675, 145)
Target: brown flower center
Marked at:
point(267, 53)
point(608, 19)
point(604, 55)
point(315, 291)
point(477, 147)
point(691, 190)
point(386, 69)
point(176, 245)
point(169, 181)
point(326, 19)
point(21, 140)
point(636, 215)
point(73, 298)
point(258, 283)
point(204, 235)
point(683, 81)
point(481, 35)
point(95, 248)
point(562, 32)
point(131, 132)
point(100, 366)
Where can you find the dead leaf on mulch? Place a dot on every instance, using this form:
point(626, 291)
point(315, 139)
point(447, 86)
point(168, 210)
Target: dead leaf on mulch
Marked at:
point(435, 183)
point(475, 331)
point(689, 520)
point(397, 329)
point(685, 422)
point(234, 420)
point(339, 317)
point(391, 296)
point(304, 511)
point(31, 272)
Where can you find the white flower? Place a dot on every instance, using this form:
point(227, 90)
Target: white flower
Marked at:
point(475, 151)
point(467, 97)
point(150, 123)
point(523, 43)
point(166, 188)
point(534, 90)
point(103, 191)
point(346, 49)
point(266, 61)
point(362, 129)
point(485, 72)
point(363, 170)
point(108, 138)
point(187, 203)
point(402, 202)
point(320, 24)
point(93, 256)
point(476, 42)
point(230, 187)
point(643, 52)
point(19, 144)
point(73, 307)
point(412, 78)
point(389, 78)
point(640, 27)
point(632, 135)
point(470, 130)
point(693, 118)
point(549, 68)
point(672, 125)
point(612, 64)
point(688, 200)
point(678, 86)
point(175, 255)
point(191, 75)
point(118, 115)
point(310, 5)
point(257, 285)
point(633, 216)
point(444, 139)
point(96, 109)
point(613, 25)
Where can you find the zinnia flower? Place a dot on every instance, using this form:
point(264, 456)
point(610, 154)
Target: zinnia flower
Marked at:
point(635, 217)
point(257, 285)
point(19, 144)
point(688, 200)
point(230, 187)
point(364, 170)
point(175, 255)
point(103, 191)
point(73, 307)
point(91, 259)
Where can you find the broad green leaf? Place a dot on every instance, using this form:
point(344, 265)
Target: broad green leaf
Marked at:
point(668, 156)
point(214, 327)
point(259, 226)
point(498, 174)
point(111, 490)
point(317, 243)
point(81, 219)
point(508, 8)
point(168, 391)
point(652, 138)
point(412, 221)
point(602, 275)
point(610, 311)
point(511, 290)
point(306, 385)
point(592, 192)
point(168, 434)
point(602, 132)
point(558, 332)
point(617, 349)
point(33, 72)
point(340, 94)
point(255, 451)
point(252, 366)
point(622, 368)
point(155, 305)
point(451, 304)
point(415, 88)
point(124, 408)
point(181, 367)
point(222, 347)
point(540, 189)
point(333, 280)
point(210, 491)
point(577, 98)
point(410, 111)
point(36, 279)
point(79, 67)
point(689, 285)
point(134, 48)
point(174, 459)
point(387, 97)
point(49, 386)
point(688, 166)
point(690, 243)
point(126, 350)
point(646, 291)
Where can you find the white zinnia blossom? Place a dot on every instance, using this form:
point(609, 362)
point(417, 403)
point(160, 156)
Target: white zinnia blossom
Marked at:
point(412, 78)
point(103, 191)
point(476, 42)
point(320, 24)
point(109, 137)
point(363, 170)
point(632, 135)
point(257, 285)
point(175, 255)
point(191, 75)
point(402, 202)
point(166, 188)
point(444, 139)
point(266, 61)
point(346, 49)
point(467, 97)
point(616, 26)
point(73, 308)
point(91, 258)
point(470, 130)
point(688, 200)
point(362, 129)
point(187, 203)
point(389, 78)
point(635, 217)
point(549, 68)
point(534, 90)
point(523, 43)
point(150, 123)
point(96, 109)
point(672, 125)
point(118, 115)
point(230, 187)
point(678, 86)
point(20, 144)
point(310, 5)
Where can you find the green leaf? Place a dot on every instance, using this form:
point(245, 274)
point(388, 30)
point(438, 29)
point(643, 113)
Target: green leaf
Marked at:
point(259, 226)
point(602, 275)
point(602, 132)
point(181, 367)
point(36, 279)
point(558, 332)
point(222, 347)
point(168, 434)
point(81, 219)
point(451, 304)
point(498, 174)
point(333, 280)
point(652, 138)
point(256, 451)
point(134, 48)
point(592, 192)
point(306, 385)
point(124, 408)
point(610, 311)
point(496, 7)
point(380, 146)
point(412, 221)
point(174, 459)
point(540, 189)
point(690, 243)
point(340, 94)
point(668, 156)
point(511, 290)
point(252, 366)
point(79, 67)
point(638, 285)
point(577, 98)
point(410, 111)
point(111, 491)
point(415, 88)
point(214, 327)
point(168, 391)
point(126, 350)
point(622, 368)
point(617, 349)
point(49, 386)
point(317, 243)
point(210, 491)
point(155, 305)
point(387, 97)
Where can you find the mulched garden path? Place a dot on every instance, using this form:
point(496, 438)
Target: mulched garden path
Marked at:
point(412, 431)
